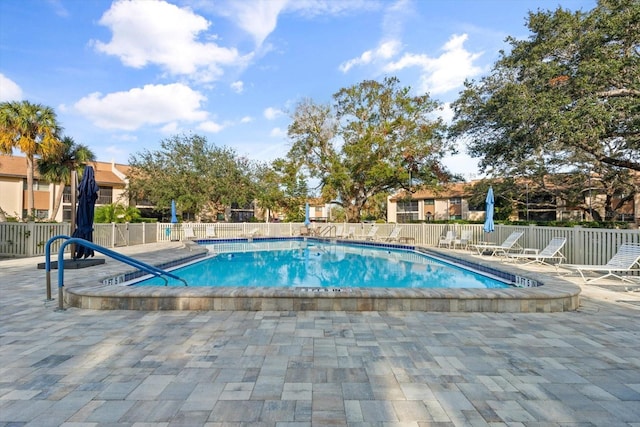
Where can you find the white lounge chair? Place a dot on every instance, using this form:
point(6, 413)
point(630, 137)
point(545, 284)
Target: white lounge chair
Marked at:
point(187, 233)
point(340, 231)
point(550, 252)
point(253, 232)
point(393, 236)
point(210, 232)
point(351, 233)
point(626, 260)
point(464, 241)
point(372, 233)
point(448, 239)
point(509, 244)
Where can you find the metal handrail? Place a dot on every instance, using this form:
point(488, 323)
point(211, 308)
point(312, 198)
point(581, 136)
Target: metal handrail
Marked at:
point(115, 255)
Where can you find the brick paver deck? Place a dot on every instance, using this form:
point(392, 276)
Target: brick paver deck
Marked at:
point(230, 368)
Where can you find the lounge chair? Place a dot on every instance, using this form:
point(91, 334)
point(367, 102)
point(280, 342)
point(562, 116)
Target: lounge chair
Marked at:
point(351, 233)
point(253, 232)
point(211, 232)
point(305, 231)
point(448, 239)
point(509, 244)
point(550, 252)
point(393, 236)
point(340, 231)
point(626, 260)
point(187, 233)
point(464, 241)
point(371, 235)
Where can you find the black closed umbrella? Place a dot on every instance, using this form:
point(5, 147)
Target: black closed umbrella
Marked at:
point(87, 196)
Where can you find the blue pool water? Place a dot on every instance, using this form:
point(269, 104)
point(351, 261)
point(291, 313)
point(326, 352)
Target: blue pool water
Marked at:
point(297, 263)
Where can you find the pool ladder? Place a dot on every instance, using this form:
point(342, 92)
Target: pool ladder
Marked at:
point(108, 252)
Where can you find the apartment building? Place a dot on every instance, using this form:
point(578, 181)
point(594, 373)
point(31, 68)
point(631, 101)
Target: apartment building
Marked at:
point(110, 177)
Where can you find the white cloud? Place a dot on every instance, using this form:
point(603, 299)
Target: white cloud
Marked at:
point(170, 128)
point(273, 113)
point(246, 119)
point(113, 149)
point(445, 72)
point(237, 86)
point(384, 51)
point(58, 8)
point(210, 126)
point(9, 90)
point(156, 32)
point(257, 18)
point(149, 105)
point(277, 133)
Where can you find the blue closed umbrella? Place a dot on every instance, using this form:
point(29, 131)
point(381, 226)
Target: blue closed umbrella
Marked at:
point(87, 196)
point(488, 221)
point(174, 218)
point(306, 215)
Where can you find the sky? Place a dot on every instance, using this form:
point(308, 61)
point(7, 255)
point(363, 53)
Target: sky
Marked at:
point(124, 75)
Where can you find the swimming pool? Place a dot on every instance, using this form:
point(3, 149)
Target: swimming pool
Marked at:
point(319, 264)
point(103, 290)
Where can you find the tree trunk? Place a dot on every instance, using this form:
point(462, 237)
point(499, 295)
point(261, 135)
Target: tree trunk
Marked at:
point(353, 213)
point(30, 196)
point(57, 201)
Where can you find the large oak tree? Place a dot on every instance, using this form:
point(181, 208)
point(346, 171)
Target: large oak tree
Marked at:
point(199, 176)
point(376, 138)
point(567, 99)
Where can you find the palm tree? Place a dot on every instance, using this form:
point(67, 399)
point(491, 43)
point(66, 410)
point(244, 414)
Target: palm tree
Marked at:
point(56, 168)
point(32, 129)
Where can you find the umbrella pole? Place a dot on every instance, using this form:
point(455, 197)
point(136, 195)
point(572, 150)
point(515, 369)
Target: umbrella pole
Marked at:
point(74, 207)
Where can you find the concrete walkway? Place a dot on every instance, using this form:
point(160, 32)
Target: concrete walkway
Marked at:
point(129, 368)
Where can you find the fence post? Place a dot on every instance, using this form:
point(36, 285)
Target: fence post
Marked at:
point(113, 235)
point(29, 235)
point(576, 249)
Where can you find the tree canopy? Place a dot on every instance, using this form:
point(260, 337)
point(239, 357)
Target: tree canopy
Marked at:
point(202, 178)
point(564, 102)
point(570, 94)
point(375, 139)
point(57, 167)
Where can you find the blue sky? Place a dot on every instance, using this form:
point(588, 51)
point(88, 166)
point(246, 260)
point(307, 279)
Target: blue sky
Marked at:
point(123, 75)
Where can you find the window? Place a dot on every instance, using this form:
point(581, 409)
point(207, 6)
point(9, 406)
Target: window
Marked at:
point(455, 201)
point(105, 196)
point(37, 213)
point(407, 211)
point(429, 202)
point(38, 185)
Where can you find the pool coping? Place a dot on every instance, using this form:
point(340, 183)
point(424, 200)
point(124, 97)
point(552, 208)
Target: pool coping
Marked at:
point(554, 295)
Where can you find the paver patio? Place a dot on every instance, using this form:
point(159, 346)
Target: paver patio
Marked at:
point(130, 368)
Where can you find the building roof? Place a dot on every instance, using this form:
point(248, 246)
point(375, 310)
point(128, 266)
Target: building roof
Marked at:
point(458, 189)
point(16, 167)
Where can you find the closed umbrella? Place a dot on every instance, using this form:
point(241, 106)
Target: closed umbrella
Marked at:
point(488, 221)
point(87, 196)
point(174, 218)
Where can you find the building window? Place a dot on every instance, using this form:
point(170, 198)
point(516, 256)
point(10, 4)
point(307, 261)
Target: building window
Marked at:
point(66, 213)
point(455, 200)
point(429, 202)
point(37, 213)
point(105, 196)
point(408, 211)
point(38, 185)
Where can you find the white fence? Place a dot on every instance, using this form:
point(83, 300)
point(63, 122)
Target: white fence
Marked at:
point(584, 245)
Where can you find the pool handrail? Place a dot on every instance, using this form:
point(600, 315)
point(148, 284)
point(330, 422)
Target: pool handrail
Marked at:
point(112, 254)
